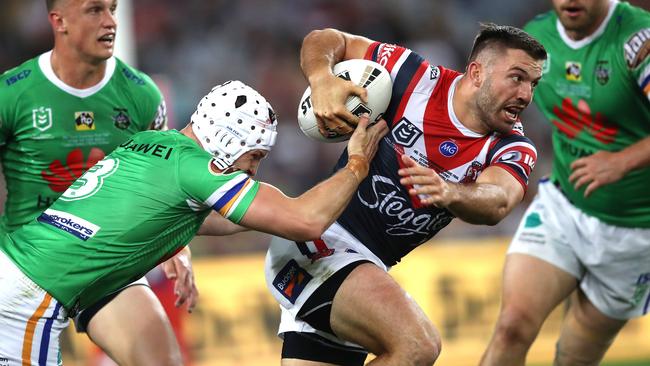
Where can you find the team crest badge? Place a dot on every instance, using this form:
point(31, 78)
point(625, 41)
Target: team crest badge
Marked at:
point(406, 133)
point(84, 121)
point(42, 118)
point(573, 71)
point(602, 72)
point(472, 173)
point(121, 119)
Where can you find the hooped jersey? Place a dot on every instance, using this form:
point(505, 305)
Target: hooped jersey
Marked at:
point(595, 93)
point(423, 124)
point(132, 210)
point(50, 133)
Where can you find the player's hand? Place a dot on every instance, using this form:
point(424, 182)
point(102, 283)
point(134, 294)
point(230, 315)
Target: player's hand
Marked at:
point(328, 96)
point(365, 139)
point(596, 170)
point(426, 184)
point(179, 268)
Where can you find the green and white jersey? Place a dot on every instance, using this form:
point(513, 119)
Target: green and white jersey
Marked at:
point(132, 210)
point(50, 133)
point(595, 94)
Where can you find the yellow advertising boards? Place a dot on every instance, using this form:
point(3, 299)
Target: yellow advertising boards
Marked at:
point(456, 283)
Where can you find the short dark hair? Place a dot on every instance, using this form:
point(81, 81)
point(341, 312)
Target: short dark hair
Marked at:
point(505, 36)
point(50, 4)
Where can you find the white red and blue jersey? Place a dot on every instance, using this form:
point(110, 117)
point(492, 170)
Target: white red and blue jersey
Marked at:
point(422, 123)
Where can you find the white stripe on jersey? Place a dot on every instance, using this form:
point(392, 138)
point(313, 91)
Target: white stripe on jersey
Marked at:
point(511, 145)
point(399, 63)
point(243, 192)
point(415, 113)
point(452, 115)
point(216, 195)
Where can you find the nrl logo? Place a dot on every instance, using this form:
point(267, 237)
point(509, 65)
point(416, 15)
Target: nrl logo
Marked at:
point(42, 118)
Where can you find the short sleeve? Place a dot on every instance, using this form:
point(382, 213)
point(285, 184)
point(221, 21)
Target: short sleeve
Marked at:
point(229, 194)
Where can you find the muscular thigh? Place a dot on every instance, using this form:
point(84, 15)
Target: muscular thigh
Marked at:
point(372, 310)
point(135, 317)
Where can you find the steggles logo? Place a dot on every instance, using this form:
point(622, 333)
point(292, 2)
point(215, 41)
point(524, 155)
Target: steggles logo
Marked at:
point(574, 119)
point(60, 177)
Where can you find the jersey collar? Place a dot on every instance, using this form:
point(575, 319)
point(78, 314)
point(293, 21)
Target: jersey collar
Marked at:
point(44, 62)
point(452, 115)
point(585, 41)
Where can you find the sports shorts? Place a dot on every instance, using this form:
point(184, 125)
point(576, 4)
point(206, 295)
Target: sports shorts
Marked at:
point(611, 263)
point(31, 320)
point(294, 271)
point(83, 317)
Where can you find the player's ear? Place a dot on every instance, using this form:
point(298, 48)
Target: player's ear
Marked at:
point(475, 72)
point(57, 22)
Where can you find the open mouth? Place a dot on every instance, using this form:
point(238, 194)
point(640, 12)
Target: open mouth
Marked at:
point(512, 113)
point(107, 39)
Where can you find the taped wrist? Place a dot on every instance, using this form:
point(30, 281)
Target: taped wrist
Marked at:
point(358, 165)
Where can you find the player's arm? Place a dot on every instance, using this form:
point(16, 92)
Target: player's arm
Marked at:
point(217, 225)
point(487, 201)
point(307, 216)
point(321, 50)
point(606, 167)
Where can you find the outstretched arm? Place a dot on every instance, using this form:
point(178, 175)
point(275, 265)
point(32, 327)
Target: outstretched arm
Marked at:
point(486, 201)
point(307, 216)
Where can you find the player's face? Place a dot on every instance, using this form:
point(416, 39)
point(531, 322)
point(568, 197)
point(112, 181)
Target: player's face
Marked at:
point(90, 28)
point(581, 17)
point(249, 161)
point(507, 88)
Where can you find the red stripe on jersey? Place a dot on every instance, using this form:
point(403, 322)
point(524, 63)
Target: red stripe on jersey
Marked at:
point(387, 54)
point(371, 50)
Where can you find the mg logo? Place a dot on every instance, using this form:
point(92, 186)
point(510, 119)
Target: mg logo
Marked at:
point(405, 133)
point(42, 118)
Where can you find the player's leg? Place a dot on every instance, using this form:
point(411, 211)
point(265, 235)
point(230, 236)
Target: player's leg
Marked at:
point(541, 269)
point(532, 288)
point(372, 310)
point(31, 320)
point(133, 329)
point(586, 333)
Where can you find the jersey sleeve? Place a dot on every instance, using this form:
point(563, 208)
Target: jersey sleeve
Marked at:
point(156, 111)
point(516, 154)
point(405, 67)
point(636, 51)
point(7, 106)
point(228, 194)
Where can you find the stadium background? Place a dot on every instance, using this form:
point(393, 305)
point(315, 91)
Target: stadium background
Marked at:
point(190, 46)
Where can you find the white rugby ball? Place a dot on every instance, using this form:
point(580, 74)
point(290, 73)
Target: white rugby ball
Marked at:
point(368, 74)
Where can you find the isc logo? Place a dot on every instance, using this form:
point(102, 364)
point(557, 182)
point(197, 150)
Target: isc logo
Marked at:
point(19, 76)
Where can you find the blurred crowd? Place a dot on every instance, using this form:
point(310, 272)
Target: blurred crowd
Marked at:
point(189, 46)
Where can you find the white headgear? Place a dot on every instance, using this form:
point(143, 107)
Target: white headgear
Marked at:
point(232, 119)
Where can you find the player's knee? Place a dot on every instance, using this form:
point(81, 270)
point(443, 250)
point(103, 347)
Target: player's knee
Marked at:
point(424, 349)
point(516, 327)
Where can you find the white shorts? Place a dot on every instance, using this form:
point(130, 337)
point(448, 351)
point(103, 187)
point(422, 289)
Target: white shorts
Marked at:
point(611, 263)
point(294, 271)
point(30, 320)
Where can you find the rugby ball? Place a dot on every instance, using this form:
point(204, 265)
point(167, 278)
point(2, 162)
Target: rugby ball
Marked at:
point(368, 74)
